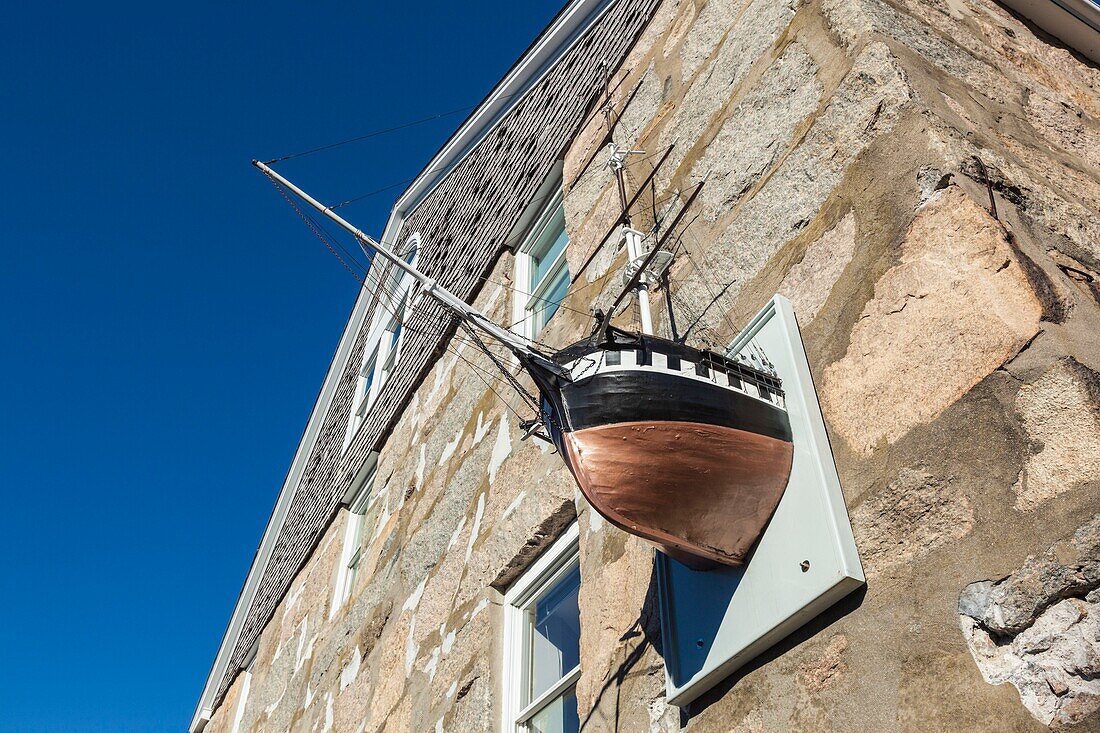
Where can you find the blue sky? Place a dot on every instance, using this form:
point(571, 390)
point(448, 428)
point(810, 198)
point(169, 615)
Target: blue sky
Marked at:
point(168, 321)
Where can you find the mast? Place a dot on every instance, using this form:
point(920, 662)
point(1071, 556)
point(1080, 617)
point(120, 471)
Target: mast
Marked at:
point(616, 161)
point(518, 345)
point(634, 250)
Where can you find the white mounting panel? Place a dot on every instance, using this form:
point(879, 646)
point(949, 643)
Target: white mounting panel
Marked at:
point(714, 622)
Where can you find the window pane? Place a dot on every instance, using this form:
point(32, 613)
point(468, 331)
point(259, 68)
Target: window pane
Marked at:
point(548, 304)
point(560, 716)
point(394, 329)
point(396, 325)
point(549, 245)
point(556, 636)
point(368, 377)
point(353, 572)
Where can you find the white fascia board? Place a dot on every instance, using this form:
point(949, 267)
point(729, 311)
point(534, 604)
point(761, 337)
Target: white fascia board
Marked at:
point(555, 41)
point(205, 708)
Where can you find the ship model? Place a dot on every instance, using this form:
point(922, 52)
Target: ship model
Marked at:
point(686, 448)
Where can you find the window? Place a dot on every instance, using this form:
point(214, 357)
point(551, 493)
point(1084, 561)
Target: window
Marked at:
point(384, 349)
point(366, 384)
point(363, 510)
point(392, 340)
point(542, 272)
point(542, 643)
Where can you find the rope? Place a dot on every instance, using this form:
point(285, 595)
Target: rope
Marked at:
point(531, 400)
point(316, 230)
point(376, 133)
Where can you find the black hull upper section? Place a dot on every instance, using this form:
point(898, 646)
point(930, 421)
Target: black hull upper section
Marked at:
point(639, 395)
point(619, 340)
point(636, 395)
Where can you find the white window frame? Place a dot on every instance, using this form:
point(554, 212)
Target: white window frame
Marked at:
point(524, 316)
point(389, 352)
point(380, 346)
point(242, 698)
point(557, 561)
point(361, 503)
point(365, 394)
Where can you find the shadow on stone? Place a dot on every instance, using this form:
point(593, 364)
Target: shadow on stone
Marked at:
point(648, 627)
point(822, 621)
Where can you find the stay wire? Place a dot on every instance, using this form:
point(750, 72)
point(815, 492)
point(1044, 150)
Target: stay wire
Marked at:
point(512, 381)
point(489, 379)
point(714, 290)
point(318, 232)
point(396, 128)
point(379, 132)
point(332, 243)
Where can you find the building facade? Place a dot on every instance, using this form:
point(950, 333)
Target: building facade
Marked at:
point(922, 180)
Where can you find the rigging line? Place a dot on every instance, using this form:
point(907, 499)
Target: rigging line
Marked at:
point(707, 282)
point(704, 278)
point(481, 374)
point(504, 372)
point(326, 237)
point(317, 232)
point(406, 181)
point(478, 368)
point(346, 254)
point(531, 400)
point(387, 291)
point(383, 131)
point(630, 204)
point(651, 156)
point(351, 254)
point(656, 220)
point(392, 292)
point(431, 334)
point(490, 379)
point(603, 108)
point(686, 308)
point(494, 382)
point(636, 278)
point(492, 388)
point(468, 342)
point(548, 302)
point(384, 302)
point(688, 330)
point(508, 243)
point(375, 192)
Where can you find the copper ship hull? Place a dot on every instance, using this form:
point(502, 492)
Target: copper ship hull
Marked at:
point(698, 491)
point(692, 456)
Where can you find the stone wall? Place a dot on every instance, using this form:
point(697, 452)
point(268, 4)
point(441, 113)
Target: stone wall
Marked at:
point(921, 177)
